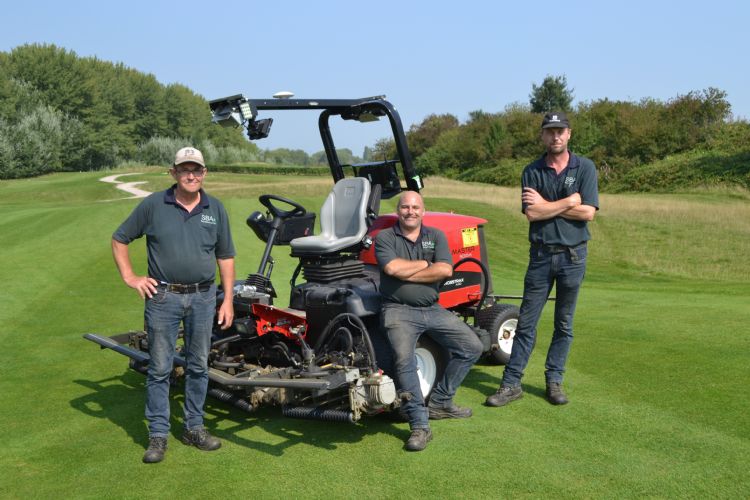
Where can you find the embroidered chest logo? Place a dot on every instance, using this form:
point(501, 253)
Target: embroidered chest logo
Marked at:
point(208, 219)
point(428, 245)
point(569, 181)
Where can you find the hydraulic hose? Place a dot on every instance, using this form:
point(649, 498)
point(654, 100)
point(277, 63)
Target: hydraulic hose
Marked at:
point(225, 340)
point(485, 274)
point(359, 324)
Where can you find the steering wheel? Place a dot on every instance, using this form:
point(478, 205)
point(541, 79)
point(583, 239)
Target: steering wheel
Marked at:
point(265, 200)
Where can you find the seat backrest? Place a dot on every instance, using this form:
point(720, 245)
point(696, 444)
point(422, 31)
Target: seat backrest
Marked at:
point(345, 209)
point(343, 218)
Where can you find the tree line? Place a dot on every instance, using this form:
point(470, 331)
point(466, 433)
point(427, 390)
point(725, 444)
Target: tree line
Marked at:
point(687, 141)
point(62, 112)
point(59, 112)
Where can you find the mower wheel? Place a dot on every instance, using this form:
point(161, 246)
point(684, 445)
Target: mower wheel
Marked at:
point(431, 361)
point(500, 320)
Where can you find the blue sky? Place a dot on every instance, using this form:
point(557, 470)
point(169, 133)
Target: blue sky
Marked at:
point(425, 56)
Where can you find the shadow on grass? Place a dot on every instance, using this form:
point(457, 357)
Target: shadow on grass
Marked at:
point(487, 383)
point(288, 432)
point(121, 400)
point(118, 399)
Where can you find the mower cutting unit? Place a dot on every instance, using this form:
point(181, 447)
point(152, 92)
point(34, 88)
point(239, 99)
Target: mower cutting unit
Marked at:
point(324, 355)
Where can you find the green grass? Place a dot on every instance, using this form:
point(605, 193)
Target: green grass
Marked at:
point(657, 376)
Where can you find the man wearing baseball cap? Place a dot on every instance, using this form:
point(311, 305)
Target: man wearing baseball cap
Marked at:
point(187, 234)
point(559, 196)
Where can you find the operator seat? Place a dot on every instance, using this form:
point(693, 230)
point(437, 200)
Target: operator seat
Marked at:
point(343, 219)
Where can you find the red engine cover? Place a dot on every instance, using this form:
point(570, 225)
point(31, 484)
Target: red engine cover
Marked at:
point(464, 234)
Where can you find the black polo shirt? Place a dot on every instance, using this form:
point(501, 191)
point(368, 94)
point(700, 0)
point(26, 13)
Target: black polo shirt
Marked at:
point(431, 245)
point(578, 176)
point(182, 247)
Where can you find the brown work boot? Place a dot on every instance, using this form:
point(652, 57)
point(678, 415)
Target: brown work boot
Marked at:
point(555, 394)
point(201, 439)
point(418, 439)
point(504, 395)
point(157, 446)
point(452, 411)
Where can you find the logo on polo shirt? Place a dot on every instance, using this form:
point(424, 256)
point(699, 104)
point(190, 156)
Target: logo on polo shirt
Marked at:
point(208, 219)
point(569, 181)
point(428, 245)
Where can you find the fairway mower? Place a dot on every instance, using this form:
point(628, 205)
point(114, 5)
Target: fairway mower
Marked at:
point(324, 356)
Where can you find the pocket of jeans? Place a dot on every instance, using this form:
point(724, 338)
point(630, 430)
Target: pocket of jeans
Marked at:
point(209, 295)
point(159, 297)
point(389, 317)
point(578, 254)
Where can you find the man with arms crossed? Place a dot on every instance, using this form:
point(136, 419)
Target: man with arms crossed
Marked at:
point(414, 259)
point(187, 234)
point(559, 197)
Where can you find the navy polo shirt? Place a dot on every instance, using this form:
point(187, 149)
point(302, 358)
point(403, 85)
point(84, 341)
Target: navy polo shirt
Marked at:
point(182, 246)
point(431, 245)
point(578, 176)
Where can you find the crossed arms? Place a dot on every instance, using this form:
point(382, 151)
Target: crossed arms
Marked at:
point(568, 208)
point(418, 271)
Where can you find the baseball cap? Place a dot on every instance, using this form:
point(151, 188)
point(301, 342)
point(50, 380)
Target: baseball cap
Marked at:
point(555, 119)
point(189, 155)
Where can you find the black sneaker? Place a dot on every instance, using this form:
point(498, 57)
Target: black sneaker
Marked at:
point(555, 394)
point(504, 395)
point(451, 411)
point(201, 439)
point(157, 446)
point(418, 439)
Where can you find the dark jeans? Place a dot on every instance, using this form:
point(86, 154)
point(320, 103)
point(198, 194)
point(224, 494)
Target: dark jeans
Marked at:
point(403, 326)
point(547, 268)
point(164, 312)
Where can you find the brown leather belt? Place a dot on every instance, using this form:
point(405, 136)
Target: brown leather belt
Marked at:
point(191, 288)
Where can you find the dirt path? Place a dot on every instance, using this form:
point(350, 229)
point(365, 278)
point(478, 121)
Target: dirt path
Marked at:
point(128, 187)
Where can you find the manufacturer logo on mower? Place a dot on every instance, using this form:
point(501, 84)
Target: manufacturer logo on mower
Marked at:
point(454, 282)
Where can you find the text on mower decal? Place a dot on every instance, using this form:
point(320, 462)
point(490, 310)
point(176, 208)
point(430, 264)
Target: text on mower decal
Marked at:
point(454, 282)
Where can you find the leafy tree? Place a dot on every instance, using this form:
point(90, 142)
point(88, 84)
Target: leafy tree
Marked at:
point(552, 95)
point(421, 137)
point(113, 109)
point(384, 149)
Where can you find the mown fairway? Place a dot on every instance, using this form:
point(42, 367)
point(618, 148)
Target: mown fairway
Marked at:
point(658, 377)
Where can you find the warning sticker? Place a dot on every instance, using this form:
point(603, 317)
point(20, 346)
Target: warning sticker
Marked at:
point(470, 237)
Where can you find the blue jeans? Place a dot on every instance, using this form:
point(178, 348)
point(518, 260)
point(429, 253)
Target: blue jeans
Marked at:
point(565, 269)
point(164, 312)
point(403, 326)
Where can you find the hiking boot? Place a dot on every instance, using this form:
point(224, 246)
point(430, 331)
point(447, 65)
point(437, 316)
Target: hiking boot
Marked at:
point(157, 446)
point(418, 439)
point(451, 411)
point(201, 439)
point(555, 394)
point(504, 395)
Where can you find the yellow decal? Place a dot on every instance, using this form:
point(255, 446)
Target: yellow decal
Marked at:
point(470, 237)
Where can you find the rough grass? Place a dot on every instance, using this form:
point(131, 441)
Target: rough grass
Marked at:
point(657, 375)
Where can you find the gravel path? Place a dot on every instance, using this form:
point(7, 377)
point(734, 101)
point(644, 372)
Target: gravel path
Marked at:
point(128, 187)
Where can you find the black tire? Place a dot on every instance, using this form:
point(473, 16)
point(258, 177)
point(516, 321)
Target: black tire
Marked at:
point(431, 361)
point(500, 321)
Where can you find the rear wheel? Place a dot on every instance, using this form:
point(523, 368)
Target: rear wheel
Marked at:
point(431, 361)
point(500, 321)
